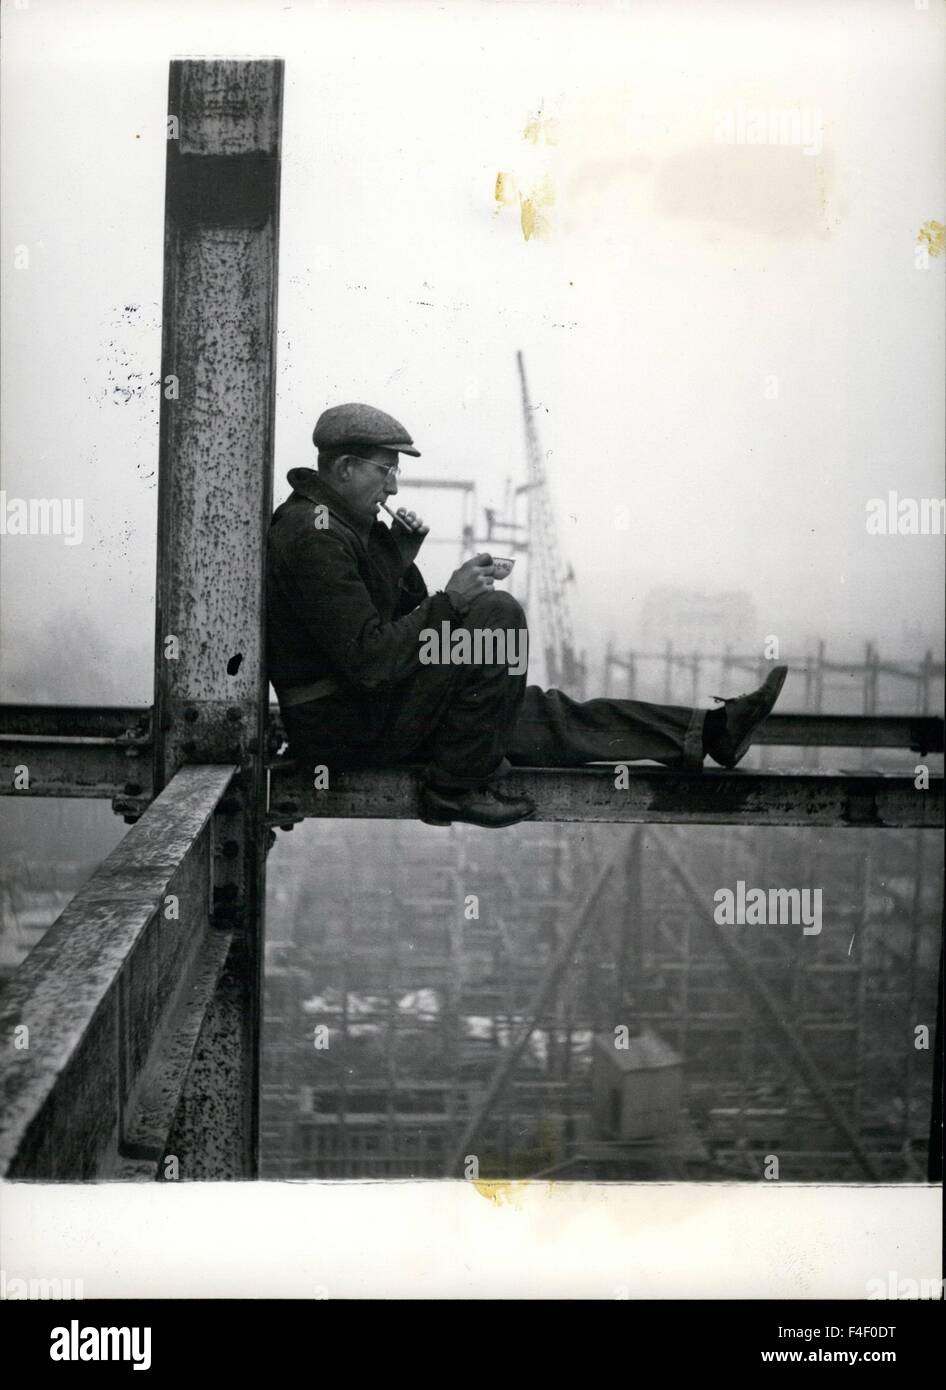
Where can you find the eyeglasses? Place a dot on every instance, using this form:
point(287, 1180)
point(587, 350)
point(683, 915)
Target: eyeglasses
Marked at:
point(390, 470)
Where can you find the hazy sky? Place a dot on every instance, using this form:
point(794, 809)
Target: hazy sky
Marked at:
point(677, 277)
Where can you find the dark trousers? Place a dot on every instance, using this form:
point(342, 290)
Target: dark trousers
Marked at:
point(468, 722)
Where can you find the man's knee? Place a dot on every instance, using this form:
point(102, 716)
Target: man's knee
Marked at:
point(500, 636)
point(496, 608)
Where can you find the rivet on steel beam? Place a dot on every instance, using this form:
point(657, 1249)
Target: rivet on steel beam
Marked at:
point(234, 714)
point(131, 820)
point(191, 716)
point(132, 789)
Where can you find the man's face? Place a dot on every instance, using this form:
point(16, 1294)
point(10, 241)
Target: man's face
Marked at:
point(365, 483)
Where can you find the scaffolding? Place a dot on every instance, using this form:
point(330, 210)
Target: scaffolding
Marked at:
point(428, 993)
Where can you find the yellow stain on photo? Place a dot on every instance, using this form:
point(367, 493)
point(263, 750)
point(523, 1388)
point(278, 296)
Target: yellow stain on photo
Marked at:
point(933, 235)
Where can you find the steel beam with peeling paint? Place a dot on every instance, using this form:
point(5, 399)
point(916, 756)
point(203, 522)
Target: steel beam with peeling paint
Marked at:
point(130, 723)
point(123, 723)
point(76, 751)
point(218, 370)
point(108, 994)
point(91, 768)
point(85, 751)
point(653, 795)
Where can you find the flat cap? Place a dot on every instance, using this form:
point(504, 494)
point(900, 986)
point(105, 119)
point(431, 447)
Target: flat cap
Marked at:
point(361, 424)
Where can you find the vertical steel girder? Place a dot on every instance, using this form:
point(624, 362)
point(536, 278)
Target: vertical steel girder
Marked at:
point(214, 505)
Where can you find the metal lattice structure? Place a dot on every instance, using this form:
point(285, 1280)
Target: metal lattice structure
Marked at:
point(549, 577)
point(458, 986)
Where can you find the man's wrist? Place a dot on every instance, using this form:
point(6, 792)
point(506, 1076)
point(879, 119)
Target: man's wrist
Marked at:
point(456, 603)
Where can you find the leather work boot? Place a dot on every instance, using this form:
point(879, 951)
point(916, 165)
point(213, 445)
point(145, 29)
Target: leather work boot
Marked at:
point(743, 715)
point(482, 806)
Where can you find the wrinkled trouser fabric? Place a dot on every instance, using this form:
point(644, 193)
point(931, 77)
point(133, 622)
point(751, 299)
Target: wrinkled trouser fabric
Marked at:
point(469, 722)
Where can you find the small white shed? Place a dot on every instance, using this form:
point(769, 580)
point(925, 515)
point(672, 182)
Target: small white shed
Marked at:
point(637, 1086)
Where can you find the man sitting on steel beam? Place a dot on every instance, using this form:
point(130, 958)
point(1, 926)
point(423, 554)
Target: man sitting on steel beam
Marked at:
point(372, 671)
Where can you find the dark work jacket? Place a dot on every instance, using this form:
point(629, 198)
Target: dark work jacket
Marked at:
point(342, 601)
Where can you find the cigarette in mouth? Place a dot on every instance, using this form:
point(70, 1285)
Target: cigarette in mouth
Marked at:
point(406, 525)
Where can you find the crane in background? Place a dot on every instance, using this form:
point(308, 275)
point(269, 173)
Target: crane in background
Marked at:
point(548, 575)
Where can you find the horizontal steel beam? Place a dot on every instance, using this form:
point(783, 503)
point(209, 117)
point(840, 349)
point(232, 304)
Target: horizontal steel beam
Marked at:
point(99, 1019)
point(654, 795)
point(77, 751)
point(89, 767)
point(682, 657)
point(86, 751)
point(123, 722)
point(129, 725)
point(919, 733)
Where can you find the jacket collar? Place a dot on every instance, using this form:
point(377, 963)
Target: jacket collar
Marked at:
point(307, 483)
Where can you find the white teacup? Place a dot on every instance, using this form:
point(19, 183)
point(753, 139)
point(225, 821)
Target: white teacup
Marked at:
point(502, 567)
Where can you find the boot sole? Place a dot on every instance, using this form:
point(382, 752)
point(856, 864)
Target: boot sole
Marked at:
point(483, 825)
point(496, 824)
